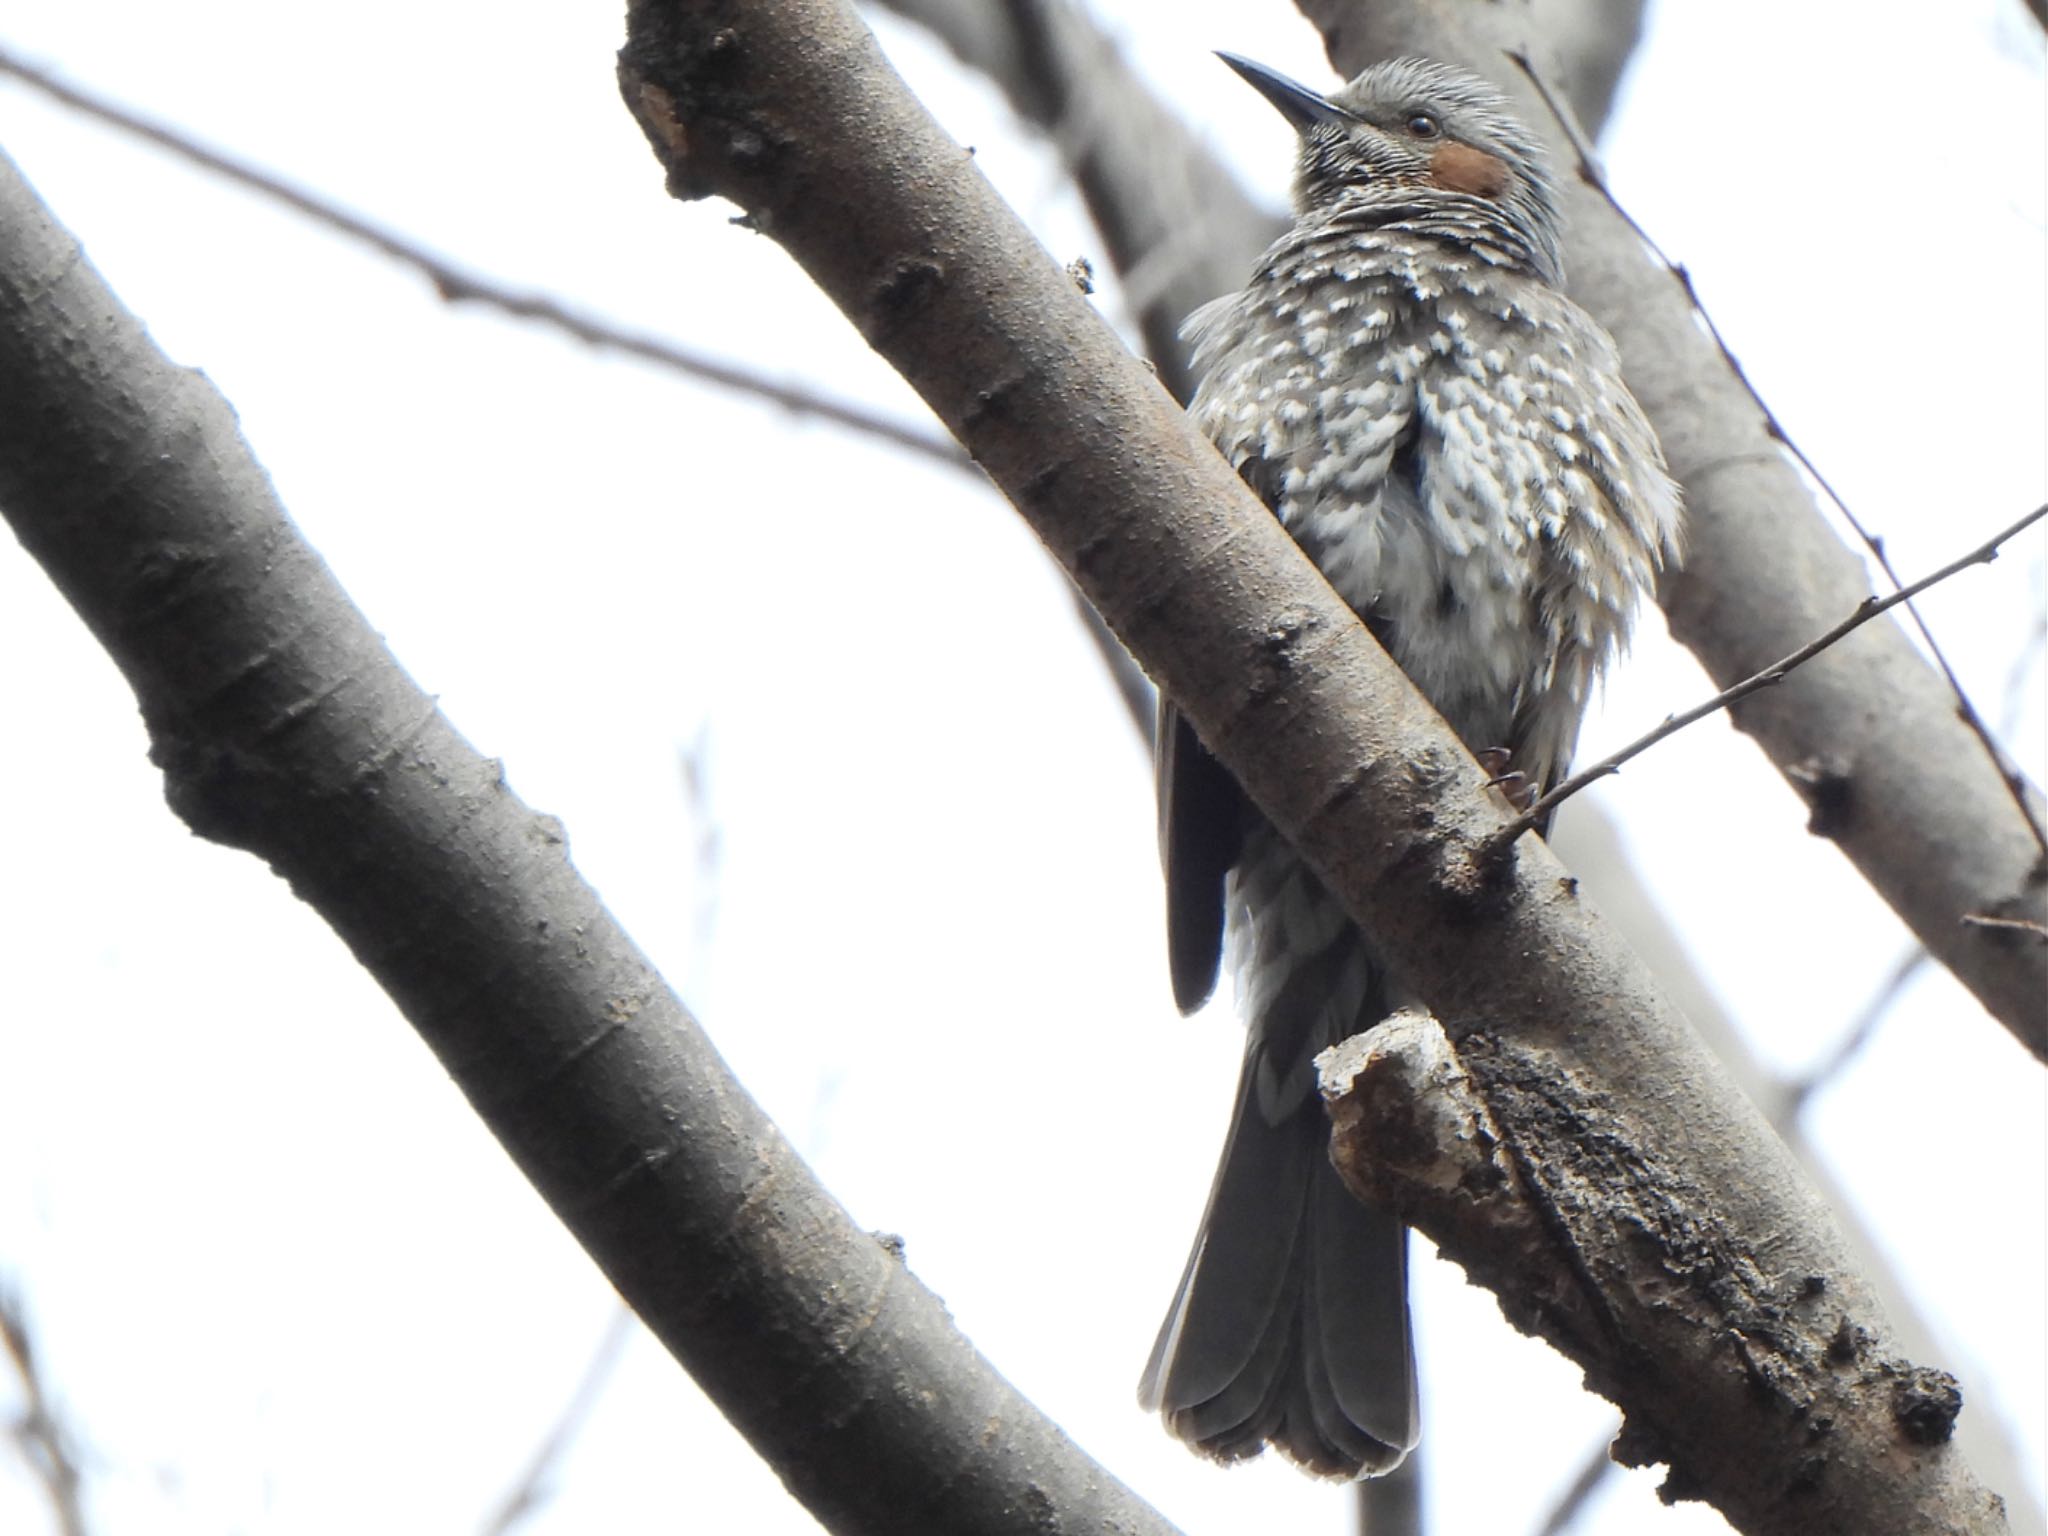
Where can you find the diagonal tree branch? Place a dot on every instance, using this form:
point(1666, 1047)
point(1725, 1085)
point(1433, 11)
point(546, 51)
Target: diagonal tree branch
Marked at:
point(1179, 228)
point(789, 110)
point(1868, 735)
point(40, 1434)
point(1593, 38)
point(284, 727)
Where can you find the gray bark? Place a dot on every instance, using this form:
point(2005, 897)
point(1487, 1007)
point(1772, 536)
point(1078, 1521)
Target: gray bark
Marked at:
point(789, 110)
point(284, 727)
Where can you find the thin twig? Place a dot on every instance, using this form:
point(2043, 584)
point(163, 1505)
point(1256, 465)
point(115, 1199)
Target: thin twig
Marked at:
point(1793, 1095)
point(456, 285)
point(1133, 687)
point(536, 1483)
point(2010, 924)
point(44, 1441)
point(1866, 610)
point(1571, 1504)
point(1589, 172)
point(1800, 1091)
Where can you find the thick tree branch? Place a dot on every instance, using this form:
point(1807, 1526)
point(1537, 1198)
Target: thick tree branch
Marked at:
point(1593, 39)
point(1179, 228)
point(1867, 735)
point(1589, 843)
point(789, 110)
point(284, 727)
point(1575, 1220)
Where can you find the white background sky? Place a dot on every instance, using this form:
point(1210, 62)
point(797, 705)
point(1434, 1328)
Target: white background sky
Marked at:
point(286, 1283)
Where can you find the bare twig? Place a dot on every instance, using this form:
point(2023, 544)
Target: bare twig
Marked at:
point(829, 1355)
point(1593, 1471)
point(44, 1441)
point(2010, 924)
point(1187, 566)
point(1867, 610)
point(1589, 172)
point(1800, 1091)
point(456, 285)
point(1133, 687)
point(536, 1483)
point(1793, 1095)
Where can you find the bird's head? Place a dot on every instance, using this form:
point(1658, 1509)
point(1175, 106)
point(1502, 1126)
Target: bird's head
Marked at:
point(1411, 131)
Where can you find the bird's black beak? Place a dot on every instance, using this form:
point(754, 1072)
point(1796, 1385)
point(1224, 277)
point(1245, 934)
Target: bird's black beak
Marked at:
point(1296, 102)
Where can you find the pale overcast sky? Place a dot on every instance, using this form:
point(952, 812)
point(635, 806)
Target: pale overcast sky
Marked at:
point(286, 1283)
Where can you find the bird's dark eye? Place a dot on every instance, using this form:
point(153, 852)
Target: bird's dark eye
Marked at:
point(1423, 126)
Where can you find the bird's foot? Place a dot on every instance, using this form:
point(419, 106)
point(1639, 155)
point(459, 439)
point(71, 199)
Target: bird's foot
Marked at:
point(1514, 785)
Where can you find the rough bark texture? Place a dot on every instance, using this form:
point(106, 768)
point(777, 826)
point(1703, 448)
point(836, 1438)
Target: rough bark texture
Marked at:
point(1178, 228)
point(1528, 1180)
point(1149, 183)
point(789, 110)
point(284, 727)
point(1588, 844)
point(1867, 734)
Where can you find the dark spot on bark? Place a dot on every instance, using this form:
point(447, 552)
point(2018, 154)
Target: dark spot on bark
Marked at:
point(1830, 795)
point(1926, 1404)
point(913, 284)
point(1847, 1342)
point(1807, 1475)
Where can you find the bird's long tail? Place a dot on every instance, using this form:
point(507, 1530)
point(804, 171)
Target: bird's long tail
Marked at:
point(1290, 1325)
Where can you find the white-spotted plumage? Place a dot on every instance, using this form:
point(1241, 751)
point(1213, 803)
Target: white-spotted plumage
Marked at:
point(1450, 439)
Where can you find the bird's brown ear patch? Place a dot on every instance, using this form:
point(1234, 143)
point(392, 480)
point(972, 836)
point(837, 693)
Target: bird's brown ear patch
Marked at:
point(1461, 168)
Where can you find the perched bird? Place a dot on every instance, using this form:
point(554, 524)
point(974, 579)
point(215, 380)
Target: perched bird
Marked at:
point(1448, 436)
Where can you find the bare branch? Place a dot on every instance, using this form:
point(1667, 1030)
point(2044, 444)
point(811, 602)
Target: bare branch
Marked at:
point(284, 726)
point(531, 1492)
point(1770, 676)
point(1179, 228)
point(1586, 838)
point(1932, 828)
point(457, 285)
point(46, 1445)
point(1798, 1093)
point(1589, 172)
point(1593, 1471)
point(897, 225)
point(1592, 41)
